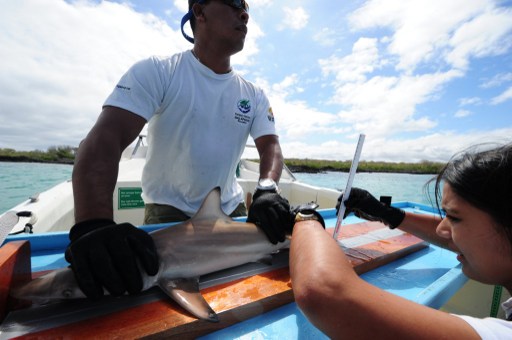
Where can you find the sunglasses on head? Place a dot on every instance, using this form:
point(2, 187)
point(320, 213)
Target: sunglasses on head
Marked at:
point(239, 4)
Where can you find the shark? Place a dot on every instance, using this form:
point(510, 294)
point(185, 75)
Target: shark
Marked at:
point(208, 242)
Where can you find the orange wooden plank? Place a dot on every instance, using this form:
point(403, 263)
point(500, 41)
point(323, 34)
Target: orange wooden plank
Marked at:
point(376, 254)
point(14, 269)
point(234, 301)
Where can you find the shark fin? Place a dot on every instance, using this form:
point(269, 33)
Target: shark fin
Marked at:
point(186, 293)
point(211, 207)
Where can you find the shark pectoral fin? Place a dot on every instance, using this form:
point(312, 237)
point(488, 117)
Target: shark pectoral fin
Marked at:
point(186, 293)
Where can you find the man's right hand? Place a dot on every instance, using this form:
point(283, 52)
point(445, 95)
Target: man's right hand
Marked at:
point(271, 212)
point(104, 254)
point(364, 205)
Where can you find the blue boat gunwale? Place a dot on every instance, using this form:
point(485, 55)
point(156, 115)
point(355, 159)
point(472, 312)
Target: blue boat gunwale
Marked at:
point(55, 241)
point(47, 249)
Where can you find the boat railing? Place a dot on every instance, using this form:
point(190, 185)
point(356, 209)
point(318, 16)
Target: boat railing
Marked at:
point(250, 169)
point(139, 150)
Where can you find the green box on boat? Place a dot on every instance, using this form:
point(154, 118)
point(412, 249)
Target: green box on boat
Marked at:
point(130, 198)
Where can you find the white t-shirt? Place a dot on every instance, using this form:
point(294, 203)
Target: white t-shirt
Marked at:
point(199, 123)
point(492, 328)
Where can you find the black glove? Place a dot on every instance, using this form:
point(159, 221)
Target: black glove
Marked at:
point(307, 209)
point(271, 212)
point(364, 205)
point(104, 254)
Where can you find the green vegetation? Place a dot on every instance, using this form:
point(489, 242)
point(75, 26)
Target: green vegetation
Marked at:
point(54, 154)
point(66, 154)
point(315, 165)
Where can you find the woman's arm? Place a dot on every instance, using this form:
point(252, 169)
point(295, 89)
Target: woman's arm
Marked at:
point(366, 206)
point(423, 226)
point(339, 303)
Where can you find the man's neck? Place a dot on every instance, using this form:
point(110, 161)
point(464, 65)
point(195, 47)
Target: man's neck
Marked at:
point(218, 63)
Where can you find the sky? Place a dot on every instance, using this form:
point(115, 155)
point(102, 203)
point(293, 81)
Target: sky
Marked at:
point(421, 79)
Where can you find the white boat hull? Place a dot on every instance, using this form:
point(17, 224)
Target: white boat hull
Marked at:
point(54, 209)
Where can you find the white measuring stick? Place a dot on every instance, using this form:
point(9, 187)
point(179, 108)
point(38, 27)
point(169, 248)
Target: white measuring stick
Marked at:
point(346, 193)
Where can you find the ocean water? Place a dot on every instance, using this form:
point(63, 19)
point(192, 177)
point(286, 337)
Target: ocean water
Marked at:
point(402, 187)
point(18, 181)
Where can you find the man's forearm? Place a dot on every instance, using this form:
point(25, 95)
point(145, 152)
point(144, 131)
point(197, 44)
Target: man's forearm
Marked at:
point(94, 179)
point(271, 158)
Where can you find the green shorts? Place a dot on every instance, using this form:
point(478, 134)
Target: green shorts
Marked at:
point(161, 213)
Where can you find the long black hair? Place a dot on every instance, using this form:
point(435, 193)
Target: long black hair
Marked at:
point(482, 177)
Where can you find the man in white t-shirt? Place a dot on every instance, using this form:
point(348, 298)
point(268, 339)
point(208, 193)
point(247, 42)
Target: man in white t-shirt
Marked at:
point(200, 115)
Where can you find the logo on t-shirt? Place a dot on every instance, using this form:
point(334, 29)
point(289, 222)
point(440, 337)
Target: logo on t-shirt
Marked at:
point(270, 115)
point(244, 105)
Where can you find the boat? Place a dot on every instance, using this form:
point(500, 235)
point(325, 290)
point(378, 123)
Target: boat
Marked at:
point(429, 275)
point(419, 272)
point(53, 209)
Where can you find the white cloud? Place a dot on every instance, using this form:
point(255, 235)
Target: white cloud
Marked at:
point(294, 18)
point(286, 86)
point(505, 96)
point(480, 37)
point(470, 101)
point(364, 59)
point(426, 30)
point(497, 80)
point(443, 36)
point(462, 113)
point(295, 119)
point(62, 62)
point(182, 5)
point(385, 106)
point(438, 147)
point(325, 37)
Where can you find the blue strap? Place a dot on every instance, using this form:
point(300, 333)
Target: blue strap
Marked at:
point(186, 18)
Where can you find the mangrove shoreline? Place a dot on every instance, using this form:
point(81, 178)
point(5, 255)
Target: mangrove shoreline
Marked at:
point(66, 155)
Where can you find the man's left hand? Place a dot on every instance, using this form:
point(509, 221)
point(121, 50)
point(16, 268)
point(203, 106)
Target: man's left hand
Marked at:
point(271, 212)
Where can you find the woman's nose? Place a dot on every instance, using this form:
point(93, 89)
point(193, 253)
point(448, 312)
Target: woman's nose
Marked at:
point(443, 229)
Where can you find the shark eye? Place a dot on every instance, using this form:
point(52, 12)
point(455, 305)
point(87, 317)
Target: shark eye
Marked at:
point(67, 293)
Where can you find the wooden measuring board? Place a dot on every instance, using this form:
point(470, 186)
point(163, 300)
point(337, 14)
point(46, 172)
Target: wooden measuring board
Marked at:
point(368, 245)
